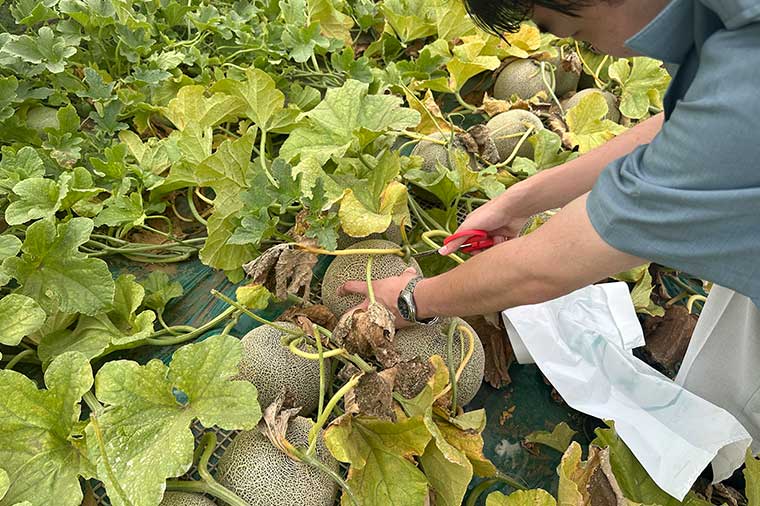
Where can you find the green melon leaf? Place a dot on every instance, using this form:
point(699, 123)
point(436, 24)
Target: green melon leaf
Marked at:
point(17, 166)
point(41, 441)
point(259, 94)
point(93, 335)
point(191, 107)
point(159, 290)
point(469, 61)
point(378, 451)
point(10, 245)
point(643, 82)
point(633, 478)
point(146, 436)
point(349, 117)
point(641, 294)
point(559, 438)
point(46, 49)
point(36, 198)
point(587, 127)
point(536, 497)
point(410, 19)
point(448, 469)
point(8, 87)
point(54, 272)
point(19, 317)
point(253, 296)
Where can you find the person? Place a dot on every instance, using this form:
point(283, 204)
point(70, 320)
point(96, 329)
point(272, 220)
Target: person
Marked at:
point(681, 189)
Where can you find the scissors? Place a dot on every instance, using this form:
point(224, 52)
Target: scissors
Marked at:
point(479, 240)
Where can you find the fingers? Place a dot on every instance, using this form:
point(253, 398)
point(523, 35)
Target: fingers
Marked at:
point(453, 246)
point(350, 287)
point(410, 270)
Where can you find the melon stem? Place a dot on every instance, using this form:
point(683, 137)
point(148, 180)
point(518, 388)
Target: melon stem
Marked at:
point(263, 321)
point(370, 290)
point(346, 252)
point(427, 239)
point(207, 485)
point(325, 415)
point(313, 461)
point(470, 350)
point(322, 385)
point(450, 363)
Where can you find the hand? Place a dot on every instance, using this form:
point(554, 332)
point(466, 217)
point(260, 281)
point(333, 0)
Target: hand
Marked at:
point(501, 218)
point(386, 293)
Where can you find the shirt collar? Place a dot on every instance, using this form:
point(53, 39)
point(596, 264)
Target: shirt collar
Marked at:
point(669, 36)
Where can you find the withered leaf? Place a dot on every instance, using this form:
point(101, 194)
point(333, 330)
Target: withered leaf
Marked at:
point(316, 313)
point(275, 419)
point(293, 272)
point(259, 268)
point(369, 333)
point(412, 376)
point(373, 396)
point(486, 145)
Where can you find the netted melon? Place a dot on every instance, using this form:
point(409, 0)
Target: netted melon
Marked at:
point(353, 267)
point(566, 76)
point(393, 234)
point(507, 129)
point(262, 475)
point(185, 499)
point(269, 365)
point(524, 78)
point(425, 341)
point(613, 112)
point(434, 153)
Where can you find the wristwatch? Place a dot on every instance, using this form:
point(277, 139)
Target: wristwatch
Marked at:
point(406, 306)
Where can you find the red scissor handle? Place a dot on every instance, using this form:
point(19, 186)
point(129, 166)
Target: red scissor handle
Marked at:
point(478, 240)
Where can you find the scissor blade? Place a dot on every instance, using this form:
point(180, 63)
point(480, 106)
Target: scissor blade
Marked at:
point(435, 251)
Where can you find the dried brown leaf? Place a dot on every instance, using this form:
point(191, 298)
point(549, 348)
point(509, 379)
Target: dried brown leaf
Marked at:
point(412, 376)
point(668, 337)
point(316, 313)
point(373, 396)
point(486, 145)
point(293, 272)
point(493, 106)
point(498, 351)
point(369, 333)
point(275, 419)
point(260, 268)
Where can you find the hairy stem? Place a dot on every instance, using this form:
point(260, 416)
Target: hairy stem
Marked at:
point(263, 321)
point(322, 420)
point(19, 357)
point(346, 252)
point(450, 363)
point(370, 289)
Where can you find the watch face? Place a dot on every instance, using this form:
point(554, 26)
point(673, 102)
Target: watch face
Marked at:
point(403, 308)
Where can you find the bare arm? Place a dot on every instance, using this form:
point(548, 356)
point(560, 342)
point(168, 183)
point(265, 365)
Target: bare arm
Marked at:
point(563, 255)
point(556, 187)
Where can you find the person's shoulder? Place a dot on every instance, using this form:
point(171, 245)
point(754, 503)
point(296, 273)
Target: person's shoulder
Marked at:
point(734, 13)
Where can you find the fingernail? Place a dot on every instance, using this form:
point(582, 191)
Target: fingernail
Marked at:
point(443, 251)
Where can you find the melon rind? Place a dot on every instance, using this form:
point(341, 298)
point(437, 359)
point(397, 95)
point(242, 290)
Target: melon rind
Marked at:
point(505, 126)
point(522, 78)
point(425, 341)
point(354, 267)
point(262, 475)
point(269, 366)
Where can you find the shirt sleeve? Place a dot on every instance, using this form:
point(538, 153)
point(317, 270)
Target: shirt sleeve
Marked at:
point(691, 199)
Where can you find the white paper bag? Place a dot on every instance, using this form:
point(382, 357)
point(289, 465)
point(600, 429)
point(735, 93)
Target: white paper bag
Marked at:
point(582, 343)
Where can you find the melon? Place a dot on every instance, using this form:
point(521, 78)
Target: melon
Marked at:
point(613, 112)
point(524, 79)
point(433, 153)
point(185, 499)
point(354, 267)
point(424, 341)
point(270, 365)
point(393, 234)
point(506, 129)
point(262, 475)
point(565, 76)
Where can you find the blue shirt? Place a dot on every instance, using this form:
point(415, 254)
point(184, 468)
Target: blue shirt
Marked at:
point(691, 198)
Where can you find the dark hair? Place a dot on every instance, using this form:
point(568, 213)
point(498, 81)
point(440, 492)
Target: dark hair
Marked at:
point(499, 16)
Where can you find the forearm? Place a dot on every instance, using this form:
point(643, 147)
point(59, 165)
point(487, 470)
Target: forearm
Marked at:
point(561, 256)
point(556, 187)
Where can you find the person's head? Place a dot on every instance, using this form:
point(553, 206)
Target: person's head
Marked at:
point(605, 24)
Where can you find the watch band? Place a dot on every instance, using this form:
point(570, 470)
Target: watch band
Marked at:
point(408, 295)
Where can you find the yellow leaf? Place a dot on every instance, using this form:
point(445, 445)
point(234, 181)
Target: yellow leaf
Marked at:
point(332, 22)
point(587, 127)
point(432, 118)
point(524, 42)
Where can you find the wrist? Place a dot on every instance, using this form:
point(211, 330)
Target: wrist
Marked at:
point(422, 299)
